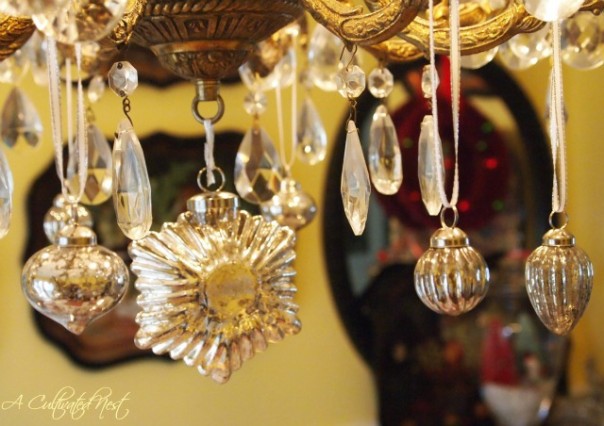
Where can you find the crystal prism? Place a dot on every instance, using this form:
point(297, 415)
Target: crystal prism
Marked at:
point(430, 149)
point(39, 62)
point(381, 82)
point(532, 46)
point(96, 88)
point(385, 163)
point(131, 186)
point(258, 169)
point(581, 40)
point(427, 82)
point(351, 82)
point(311, 143)
point(13, 68)
point(21, 123)
point(99, 177)
point(123, 78)
point(6, 195)
point(355, 186)
point(255, 103)
point(513, 61)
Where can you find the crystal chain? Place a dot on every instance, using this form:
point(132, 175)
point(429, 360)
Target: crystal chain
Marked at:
point(557, 126)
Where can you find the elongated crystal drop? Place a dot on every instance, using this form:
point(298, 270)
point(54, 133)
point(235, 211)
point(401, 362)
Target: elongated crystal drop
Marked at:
point(258, 169)
point(312, 139)
point(6, 195)
point(131, 186)
point(385, 163)
point(99, 172)
point(427, 167)
point(21, 123)
point(355, 185)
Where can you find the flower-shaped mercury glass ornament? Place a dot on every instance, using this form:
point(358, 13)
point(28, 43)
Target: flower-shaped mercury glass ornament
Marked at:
point(216, 286)
point(559, 280)
point(74, 280)
point(451, 277)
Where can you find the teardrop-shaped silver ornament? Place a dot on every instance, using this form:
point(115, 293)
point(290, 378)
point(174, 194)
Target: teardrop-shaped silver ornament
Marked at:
point(258, 170)
point(429, 150)
point(385, 162)
point(355, 185)
point(131, 186)
point(21, 123)
point(311, 143)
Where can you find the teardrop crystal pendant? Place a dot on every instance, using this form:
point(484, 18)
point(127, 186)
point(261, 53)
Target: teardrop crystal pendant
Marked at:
point(311, 143)
point(74, 280)
point(258, 169)
point(385, 163)
point(98, 187)
point(430, 148)
point(21, 123)
point(291, 207)
point(559, 280)
point(355, 186)
point(451, 277)
point(6, 195)
point(131, 186)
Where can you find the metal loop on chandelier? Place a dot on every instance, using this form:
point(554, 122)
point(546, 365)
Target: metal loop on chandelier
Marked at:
point(220, 183)
point(199, 117)
point(561, 222)
point(443, 219)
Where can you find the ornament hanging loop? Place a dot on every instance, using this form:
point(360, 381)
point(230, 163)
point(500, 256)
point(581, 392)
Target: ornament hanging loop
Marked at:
point(353, 52)
point(562, 221)
point(126, 107)
point(443, 218)
point(352, 114)
point(199, 117)
point(206, 188)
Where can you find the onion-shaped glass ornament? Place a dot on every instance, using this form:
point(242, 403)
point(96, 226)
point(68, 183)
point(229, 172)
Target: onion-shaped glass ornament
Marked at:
point(559, 279)
point(74, 280)
point(451, 277)
point(61, 214)
point(216, 286)
point(291, 206)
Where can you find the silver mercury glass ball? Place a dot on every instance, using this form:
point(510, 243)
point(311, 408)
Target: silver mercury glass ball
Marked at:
point(559, 280)
point(451, 277)
point(291, 206)
point(74, 280)
point(61, 213)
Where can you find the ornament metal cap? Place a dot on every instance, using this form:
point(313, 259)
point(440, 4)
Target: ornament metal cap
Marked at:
point(559, 237)
point(447, 237)
point(212, 207)
point(75, 235)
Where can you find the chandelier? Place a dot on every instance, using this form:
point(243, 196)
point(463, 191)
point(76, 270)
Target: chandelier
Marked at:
point(217, 285)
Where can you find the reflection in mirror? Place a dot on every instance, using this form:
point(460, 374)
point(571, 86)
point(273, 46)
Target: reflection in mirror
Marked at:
point(498, 364)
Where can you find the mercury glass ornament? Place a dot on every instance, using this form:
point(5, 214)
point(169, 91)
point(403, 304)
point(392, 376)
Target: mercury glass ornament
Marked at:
point(80, 20)
point(291, 206)
point(74, 280)
point(216, 286)
point(451, 277)
point(559, 280)
point(61, 213)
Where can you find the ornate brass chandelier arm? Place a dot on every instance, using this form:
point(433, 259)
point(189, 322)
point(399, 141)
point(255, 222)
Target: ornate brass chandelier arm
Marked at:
point(395, 50)
point(595, 6)
point(356, 27)
point(14, 32)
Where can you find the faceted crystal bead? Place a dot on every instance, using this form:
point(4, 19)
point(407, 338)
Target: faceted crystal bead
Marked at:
point(13, 68)
point(513, 61)
point(258, 169)
point(355, 186)
point(96, 88)
point(311, 143)
point(255, 103)
point(532, 46)
point(60, 214)
point(559, 281)
point(291, 206)
point(351, 81)
point(131, 186)
point(582, 40)
point(381, 82)
point(21, 123)
point(427, 82)
point(324, 51)
point(6, 195)
point(552, 10)
point(99, 177)
point(385, 163)
point(123, 78)
point(478, 60)
point(430, 149)
point(79, 21)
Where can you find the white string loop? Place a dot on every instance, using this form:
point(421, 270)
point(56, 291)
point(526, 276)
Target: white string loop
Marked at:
point(208, 151)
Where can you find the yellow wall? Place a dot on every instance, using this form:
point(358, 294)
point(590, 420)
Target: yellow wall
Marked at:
point(315, 378)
